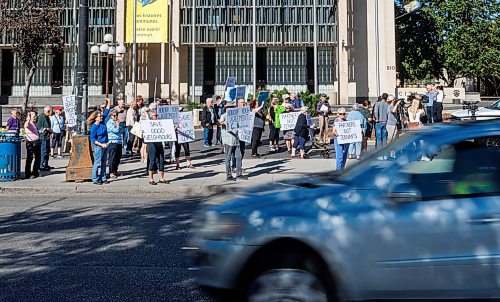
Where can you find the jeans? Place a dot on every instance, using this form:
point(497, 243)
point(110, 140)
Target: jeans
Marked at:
point(233, 151)
point(156, 156)
point(355, 149)
point(299, 142)
point(130, 140)
point(430, 114)
point(45, 150)
point(33, 150)
point(125, 134)
point(381, 134)
point(256, 136)
point(341, 155)
point(208, 134)
point(218, 135)
point(114, 156)
point(242, 151)
point(100, 157)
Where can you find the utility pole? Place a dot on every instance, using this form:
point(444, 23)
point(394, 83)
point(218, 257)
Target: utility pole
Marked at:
point(193, 51)
point(134, 53)
point(315, 39)
point(82, 72)
point(254, 38)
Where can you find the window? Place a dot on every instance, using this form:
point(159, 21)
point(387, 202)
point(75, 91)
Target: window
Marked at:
point(463, 169)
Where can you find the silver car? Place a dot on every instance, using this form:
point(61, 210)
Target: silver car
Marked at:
point(418, 219)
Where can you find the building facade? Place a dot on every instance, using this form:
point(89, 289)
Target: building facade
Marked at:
point(355, 54)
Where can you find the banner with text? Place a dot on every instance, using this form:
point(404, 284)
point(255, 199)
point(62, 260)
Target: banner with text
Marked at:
point(170, 112)
point(230, 82)
point(245, 134)
point(69, 104)
point(151, 21)
point(158, 131)
point(289, 120)
point(238, 118)
point(348, 132)
point(185, 128)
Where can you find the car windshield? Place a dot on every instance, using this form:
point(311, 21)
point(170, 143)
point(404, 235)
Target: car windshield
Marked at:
point(406, 146)
point(495, 106)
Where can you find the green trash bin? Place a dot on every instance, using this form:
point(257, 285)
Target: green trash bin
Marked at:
point(10, 156)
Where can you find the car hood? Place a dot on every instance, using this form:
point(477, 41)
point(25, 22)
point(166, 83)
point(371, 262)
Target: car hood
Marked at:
point(481, 111)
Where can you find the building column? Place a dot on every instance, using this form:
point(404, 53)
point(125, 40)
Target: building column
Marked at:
point(342, 54)
point(174, 49)
point(388, 52)
point(120, 75)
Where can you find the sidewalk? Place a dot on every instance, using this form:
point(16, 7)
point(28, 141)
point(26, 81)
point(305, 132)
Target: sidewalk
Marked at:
point(209, 174)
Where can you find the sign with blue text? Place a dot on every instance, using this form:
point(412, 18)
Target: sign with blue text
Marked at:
point(185, 128)
point(170, 112)
point(238, 118)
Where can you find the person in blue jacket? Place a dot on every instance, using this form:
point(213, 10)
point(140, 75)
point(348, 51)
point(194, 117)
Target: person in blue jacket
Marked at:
point(99, 139)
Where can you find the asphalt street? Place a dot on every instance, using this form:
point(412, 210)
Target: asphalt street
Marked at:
point(105, 247)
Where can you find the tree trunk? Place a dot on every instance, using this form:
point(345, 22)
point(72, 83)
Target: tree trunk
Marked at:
point(28, 77)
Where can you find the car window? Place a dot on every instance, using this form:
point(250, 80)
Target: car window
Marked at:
point(466, 168)
point(495, 105)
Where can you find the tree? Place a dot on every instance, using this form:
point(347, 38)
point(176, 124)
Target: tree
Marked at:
point(461, 36)
point(33, 26)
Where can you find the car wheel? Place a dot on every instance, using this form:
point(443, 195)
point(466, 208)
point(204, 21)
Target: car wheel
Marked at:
point(291, 278)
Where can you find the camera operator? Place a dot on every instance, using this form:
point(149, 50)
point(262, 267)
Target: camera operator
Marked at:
point(393, 119)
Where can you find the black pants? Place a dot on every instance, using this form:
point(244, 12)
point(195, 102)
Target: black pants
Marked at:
point(131, 138)
point(114, 157)
point(45, 150)
point(33, 150)
point(256, 136)
point(178, 149)
point(438, 108)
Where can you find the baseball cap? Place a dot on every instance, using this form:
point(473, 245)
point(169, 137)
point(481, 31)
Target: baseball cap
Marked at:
point(285, 96)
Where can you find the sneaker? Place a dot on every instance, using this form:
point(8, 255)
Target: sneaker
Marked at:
point(112, 175)
point(59, 156)
point(206, 146)
point(242, 177)
point(33, 177)
point(230, 178)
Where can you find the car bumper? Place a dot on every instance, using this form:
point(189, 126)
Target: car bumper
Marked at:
point(218, 264)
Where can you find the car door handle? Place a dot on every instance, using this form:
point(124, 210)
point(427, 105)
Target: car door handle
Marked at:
point(488, 219)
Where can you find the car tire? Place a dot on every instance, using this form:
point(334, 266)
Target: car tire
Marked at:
point(291, 277)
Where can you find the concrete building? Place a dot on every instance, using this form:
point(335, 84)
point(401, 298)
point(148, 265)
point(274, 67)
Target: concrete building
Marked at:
point(355, 51)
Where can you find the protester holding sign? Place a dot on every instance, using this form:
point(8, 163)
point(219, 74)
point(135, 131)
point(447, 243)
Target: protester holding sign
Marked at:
point(301, 132)
point(156, 156)
point(185, 134)
point(288, 134)
point(355, 147)
point(258, 125)
point(231, 142)
point(340, 149)
point(274, 132)
point(58, 126)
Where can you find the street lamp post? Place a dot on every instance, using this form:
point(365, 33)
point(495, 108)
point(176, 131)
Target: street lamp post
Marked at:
point(108, 49)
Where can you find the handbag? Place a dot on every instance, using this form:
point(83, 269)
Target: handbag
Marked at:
point(136, 130)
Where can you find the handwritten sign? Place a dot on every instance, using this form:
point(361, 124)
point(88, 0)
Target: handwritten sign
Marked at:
point(230, 82)
point(185, 128)
point(241, 92)
point(289, 120)
point(262, 99)
point(69, 104)
point(168, 113)
point(245, 134)
point(238, 118)
point(348, 132)
point(158, 131)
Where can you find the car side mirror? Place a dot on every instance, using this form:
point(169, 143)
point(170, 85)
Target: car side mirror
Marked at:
point(404, 193)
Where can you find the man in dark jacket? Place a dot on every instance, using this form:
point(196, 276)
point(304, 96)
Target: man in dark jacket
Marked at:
point(45, 132)
point(209, 119)
point(301, 132)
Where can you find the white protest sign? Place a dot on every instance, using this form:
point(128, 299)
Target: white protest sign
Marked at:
point(158, 131)
point(168, 113)
point(245, 134)
point(289, 120)
point(238, 118)
point(69, 104)
point(348, 132)
point(185, 128)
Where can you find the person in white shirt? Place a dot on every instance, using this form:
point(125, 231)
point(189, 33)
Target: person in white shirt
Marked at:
point(415, 113)
point(58, 132)
point(439, 104)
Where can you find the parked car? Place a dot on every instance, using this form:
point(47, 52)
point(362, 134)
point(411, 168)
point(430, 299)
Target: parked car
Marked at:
point(419, 218)
point(483, 113)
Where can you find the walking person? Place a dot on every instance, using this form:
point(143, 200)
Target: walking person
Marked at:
point(99, 139)
point(115, 145)
point(33, 147)
point(366, 112)
point(274, 132)
point(58, 132)
point(323, 111)
point(380, 118)
point(132, 118)
point(341, 150)
point(258, 126)
point(13, 123)
point(301, 133)
point(45, 130)
point(232, 145)
point(208, 121)
point(355, 115)
point(156, 158)
point(431, 96)
point(439, 104)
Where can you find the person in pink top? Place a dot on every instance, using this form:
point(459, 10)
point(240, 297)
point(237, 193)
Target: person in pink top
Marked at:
point(33, 146)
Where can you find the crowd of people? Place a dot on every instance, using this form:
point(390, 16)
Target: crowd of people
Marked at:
point(117, 128)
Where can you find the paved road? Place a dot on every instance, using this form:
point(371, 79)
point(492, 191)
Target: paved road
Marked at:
point(95, 248)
